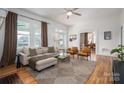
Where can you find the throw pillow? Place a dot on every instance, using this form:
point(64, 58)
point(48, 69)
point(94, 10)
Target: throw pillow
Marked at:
point(26, 51)
point(32, 52)
point(44, 49)
point(51, 50)
point(39, 51)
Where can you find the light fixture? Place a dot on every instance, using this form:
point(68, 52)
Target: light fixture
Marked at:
point(69, 13)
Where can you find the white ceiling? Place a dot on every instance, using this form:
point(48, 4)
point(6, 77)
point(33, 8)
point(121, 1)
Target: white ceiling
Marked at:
point(59, 14)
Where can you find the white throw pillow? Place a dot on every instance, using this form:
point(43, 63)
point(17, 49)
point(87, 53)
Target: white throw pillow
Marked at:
point(39, 50)
point(26, 51)
point(44, 49)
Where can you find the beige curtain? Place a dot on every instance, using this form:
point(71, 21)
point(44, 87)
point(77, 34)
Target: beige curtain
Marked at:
point(10, 40)
point(44, 36)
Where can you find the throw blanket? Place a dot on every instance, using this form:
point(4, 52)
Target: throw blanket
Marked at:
point(33, 60)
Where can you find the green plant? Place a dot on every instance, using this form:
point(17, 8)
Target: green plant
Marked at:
point(120, 51)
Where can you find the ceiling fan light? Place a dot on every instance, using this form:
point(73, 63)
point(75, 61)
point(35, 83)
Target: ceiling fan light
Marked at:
point(69, 13)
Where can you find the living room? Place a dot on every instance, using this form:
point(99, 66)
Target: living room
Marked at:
point(55, 34)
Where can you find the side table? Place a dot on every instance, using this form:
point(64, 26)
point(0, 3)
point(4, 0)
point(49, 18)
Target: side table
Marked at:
point(18, 64)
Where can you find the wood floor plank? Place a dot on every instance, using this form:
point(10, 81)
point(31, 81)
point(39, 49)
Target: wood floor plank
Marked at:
point(26, 76)
point(21, 72)
point(103, 71)
point(102, 74)
point(7, 70)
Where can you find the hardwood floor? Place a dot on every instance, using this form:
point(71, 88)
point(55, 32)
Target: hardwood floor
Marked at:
point(26, 76)
point(7, 70)
point(102, 74)
point(103, 71)
point(22, 73)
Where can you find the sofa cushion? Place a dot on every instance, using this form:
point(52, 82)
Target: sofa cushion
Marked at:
point(50, 54)
point(46, 61)
point(39, 55)
point(34, 59)
point(39, 51)
point(32, 51)
point(51, 50)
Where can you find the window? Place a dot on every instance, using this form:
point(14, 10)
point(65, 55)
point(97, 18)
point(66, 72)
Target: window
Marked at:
point(23, 39)
point(60, 39)
point(37, 40)
point(28, 33)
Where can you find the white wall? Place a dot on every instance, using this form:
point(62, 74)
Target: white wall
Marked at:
point(111, 23)
point(122, 22)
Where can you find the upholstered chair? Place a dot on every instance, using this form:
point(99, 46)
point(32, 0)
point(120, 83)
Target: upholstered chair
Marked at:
point(86, 52)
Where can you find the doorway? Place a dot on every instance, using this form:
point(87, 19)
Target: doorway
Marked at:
point(88, 39)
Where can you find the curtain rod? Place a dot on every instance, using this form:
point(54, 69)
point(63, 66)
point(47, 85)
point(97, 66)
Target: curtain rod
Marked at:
point(24, 16)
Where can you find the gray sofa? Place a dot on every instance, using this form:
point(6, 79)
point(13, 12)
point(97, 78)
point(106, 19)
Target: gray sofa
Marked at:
point(38, 58)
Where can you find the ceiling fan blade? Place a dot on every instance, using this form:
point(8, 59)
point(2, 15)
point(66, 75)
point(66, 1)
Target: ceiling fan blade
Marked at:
point(76, 13)
point(75, 9)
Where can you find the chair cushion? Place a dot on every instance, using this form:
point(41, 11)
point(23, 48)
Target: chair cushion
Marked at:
point(72, 52)
point(83, 54)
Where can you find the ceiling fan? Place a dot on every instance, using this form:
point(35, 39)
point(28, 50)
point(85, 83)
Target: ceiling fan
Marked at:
point(70, 12)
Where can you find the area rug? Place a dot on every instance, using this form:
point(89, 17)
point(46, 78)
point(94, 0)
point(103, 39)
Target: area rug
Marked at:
point(11, 79)
point(76, 71)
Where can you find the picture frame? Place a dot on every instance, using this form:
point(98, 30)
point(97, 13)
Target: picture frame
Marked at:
point(72, 37)
point(107, 35)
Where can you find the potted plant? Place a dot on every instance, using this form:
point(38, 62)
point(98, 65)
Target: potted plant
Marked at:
point(120, 52)
point(118, 64)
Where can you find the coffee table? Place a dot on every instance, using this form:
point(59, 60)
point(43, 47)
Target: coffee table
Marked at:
point(63, 58)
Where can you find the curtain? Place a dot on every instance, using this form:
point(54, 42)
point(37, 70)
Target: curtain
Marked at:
point(44, 36)
point(10, 40)
point(86, 39)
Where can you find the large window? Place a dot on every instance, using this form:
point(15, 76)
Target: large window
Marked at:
point(23, 39)
point(60, 39)
point(29, 33)
point(37, 39)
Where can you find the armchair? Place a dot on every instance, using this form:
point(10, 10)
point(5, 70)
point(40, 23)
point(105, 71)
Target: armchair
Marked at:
point(72, 51)
point(86, 52)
